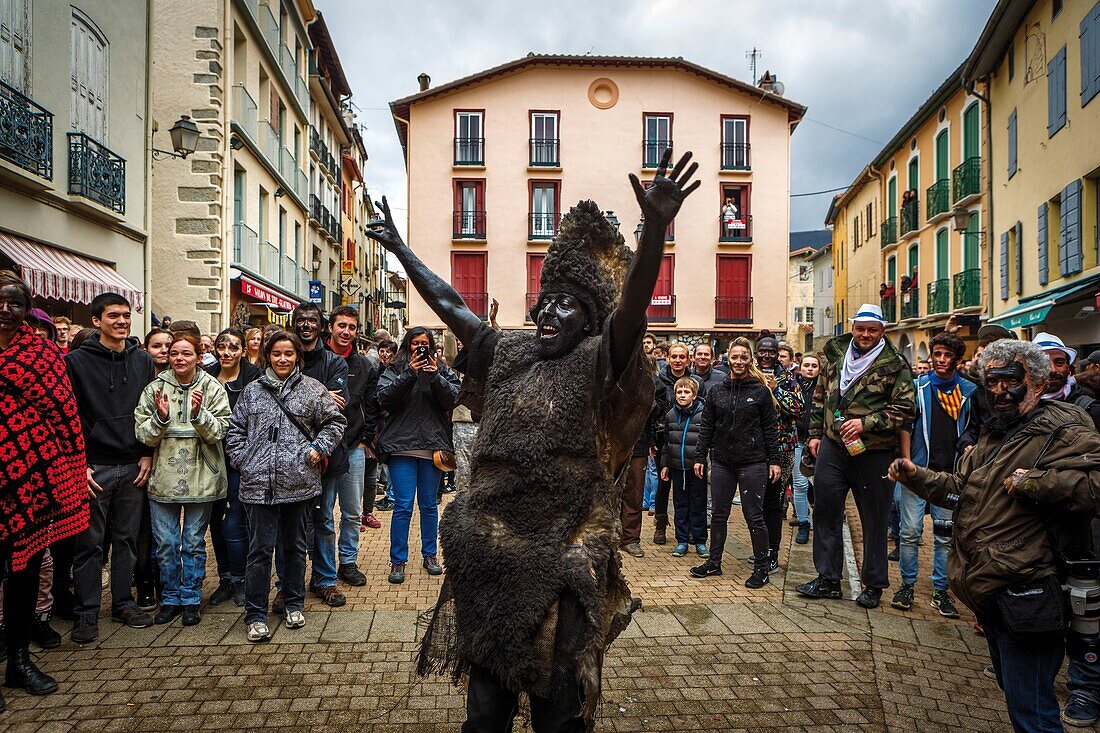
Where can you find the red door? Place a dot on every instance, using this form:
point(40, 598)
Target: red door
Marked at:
point(468, 278)
point(662, 307)
point(534, 273)
point(733, 303)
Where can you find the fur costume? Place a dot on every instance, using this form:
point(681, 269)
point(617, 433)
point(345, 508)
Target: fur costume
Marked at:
point(534, 590)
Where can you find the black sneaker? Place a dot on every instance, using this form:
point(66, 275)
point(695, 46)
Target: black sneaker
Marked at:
point(132, 616)
point(707, 569)
point(870, 598)
point(191, 615)
point(803, 535)
point(942, 602)
point(397, 572)
point(147, 601)
point(903, 599)
point(238, 594)
point(42, 633)
point(222, 593)
point(758, 579)
point(431, 564)
point(330, 596)
point(85, 629)
point(773, 561)
point(1080, 711)
point(167, 614)
point(351, 575)
point(820, 588)
point(384, 506)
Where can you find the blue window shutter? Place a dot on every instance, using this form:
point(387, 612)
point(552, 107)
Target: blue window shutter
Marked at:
point(1071, 212)
point(1042, 242)
point(1004, 266)
point(1012, 144)
point(1019, 255)
point(1090, 54)
point(1062, 249)
point(1056, 93)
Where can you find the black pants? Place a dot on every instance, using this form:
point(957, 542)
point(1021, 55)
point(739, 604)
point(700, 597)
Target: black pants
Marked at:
point(775, 501)
point(268, 524)
point(491, 708)
point(20, 599)
point(660, 502)
point(146, 573)
point(724, 482)
point(689, 495)
point(865, 476)
point(370, 484)
point(120, 502)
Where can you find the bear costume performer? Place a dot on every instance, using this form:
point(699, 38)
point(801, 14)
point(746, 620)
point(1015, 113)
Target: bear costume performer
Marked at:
point(534, 593)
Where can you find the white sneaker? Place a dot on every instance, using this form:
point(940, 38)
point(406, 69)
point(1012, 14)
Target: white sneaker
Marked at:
point(295, 619)
point(258, 631)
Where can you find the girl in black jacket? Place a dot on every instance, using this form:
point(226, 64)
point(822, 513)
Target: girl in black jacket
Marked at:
point(808, 370)
point(683, 424)
point(741, 438)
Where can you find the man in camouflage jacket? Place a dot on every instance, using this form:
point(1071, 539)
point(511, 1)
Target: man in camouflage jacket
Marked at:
point(866, 393)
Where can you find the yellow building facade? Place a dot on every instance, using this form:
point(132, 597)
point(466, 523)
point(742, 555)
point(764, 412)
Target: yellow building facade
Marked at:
point(855, 247)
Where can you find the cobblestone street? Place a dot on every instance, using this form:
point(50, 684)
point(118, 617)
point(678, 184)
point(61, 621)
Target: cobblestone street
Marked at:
point(702, 655)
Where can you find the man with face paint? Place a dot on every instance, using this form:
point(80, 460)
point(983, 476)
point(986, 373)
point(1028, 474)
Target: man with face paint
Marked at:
point(791, 407)
point(1024, 491)
point(864, 393)
point(534, 592)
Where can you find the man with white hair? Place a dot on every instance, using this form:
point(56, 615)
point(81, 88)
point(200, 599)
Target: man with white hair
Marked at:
point(863, 400)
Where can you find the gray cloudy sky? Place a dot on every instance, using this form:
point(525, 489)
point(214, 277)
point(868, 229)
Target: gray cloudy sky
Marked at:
point(862, 66)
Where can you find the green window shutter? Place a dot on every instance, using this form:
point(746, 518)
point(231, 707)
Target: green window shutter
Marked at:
point(970, 132)
point(1042, 243)
point(942, 265)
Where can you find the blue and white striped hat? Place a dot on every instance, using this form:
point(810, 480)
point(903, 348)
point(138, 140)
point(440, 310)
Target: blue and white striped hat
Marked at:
point(1048, 342)
point(868, 312)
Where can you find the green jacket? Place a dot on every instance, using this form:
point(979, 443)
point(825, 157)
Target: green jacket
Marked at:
point(189, 462)
point(885, 397)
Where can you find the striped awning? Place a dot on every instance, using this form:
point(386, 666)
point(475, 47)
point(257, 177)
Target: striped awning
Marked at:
point(60, 275)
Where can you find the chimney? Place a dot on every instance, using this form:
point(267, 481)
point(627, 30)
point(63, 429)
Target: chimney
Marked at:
point(425, 81)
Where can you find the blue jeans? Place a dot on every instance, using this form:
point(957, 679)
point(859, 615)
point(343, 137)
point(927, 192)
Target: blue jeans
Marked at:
point(911, 510)
point(649, 493)
point(1025, 672)
point(181, 549)
point(1084, 679)
point(413, 478)
point(229, 532)
point(801, 487)
point(323, 551)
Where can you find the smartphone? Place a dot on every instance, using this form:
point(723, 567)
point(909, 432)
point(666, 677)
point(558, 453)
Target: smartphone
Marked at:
point(421, 352)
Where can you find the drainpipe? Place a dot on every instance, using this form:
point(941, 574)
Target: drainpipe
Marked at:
point(408, 189)
point(147, 243)
point(968, 85)
point(225, 226)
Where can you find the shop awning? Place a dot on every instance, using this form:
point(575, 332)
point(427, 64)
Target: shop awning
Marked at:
point(60, 275)
point(1036, 308)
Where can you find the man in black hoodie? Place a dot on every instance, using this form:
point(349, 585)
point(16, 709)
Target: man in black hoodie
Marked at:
point(331, 371)
point(108, 373)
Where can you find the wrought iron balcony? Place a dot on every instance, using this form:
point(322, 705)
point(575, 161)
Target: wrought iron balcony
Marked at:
point(733, 309)
point(967, 288)
point(469, 225)
point(544, 152)
point(739, 231)
point(939, 292)
point(26, 133)
point(910, 304)
point(889, 231)
point(543, 225)
point(96, 173)
point(662, 309)
point(478, 303)
point(652, 150)
point(938, 194)
point(966, 179)
point(735, 156)
point(910, 216)
point(469, 151)
point(890, 309)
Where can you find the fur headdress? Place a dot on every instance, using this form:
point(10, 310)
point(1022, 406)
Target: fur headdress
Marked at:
point(588, 260)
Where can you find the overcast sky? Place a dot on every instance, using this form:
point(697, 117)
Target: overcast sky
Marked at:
point(862, 67)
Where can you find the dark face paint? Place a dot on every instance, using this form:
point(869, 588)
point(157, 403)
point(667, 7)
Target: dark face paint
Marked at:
point(767, 351)
point(560, 325)
point(1006, 390)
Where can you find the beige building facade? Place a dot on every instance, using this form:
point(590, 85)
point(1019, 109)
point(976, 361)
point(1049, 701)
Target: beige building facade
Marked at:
point(74, 151)
point(495, 159)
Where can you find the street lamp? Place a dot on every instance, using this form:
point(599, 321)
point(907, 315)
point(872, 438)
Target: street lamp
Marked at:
point(638, 231)
point(612, 219)
point(961, 218)
point(185, 139)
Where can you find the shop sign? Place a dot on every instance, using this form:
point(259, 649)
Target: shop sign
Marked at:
point(265, 295)
point(316, 291)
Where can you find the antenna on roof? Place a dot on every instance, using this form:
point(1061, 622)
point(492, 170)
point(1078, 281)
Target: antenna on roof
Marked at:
point(753, 55)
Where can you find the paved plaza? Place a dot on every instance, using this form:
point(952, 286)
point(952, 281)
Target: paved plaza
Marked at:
point(701, 656)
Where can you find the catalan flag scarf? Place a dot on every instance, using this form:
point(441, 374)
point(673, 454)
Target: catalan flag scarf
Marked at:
point(948, 393)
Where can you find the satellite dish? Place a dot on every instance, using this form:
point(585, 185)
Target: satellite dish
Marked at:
point(778, 88)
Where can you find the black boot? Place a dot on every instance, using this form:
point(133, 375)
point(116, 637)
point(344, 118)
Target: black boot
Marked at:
point(42, 633)
point(23, 673)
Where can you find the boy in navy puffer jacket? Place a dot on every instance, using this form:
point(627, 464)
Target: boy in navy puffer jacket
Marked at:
point(689, 492)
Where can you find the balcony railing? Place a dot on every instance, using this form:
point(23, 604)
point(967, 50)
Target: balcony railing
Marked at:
point(269, 262)
point(245, 249)
point(469, 225)
point(26, 133)
point(329, 224)
point(469, 151)
point(289, 65)
point(270, 143)
point(910, 216)
point(478, 303)
point(733, 309)
point(910, 304)
point(739, 231)
point(890, 309)
point(966, 179)
point(889, 231)
point(939, 194)
point(543, 225)
point(662, 309)
point(652, 150)
point(320, 150)
point(244, 111)
point(96, 173)
point(544, 152)
point(967, 288)
point(532, 299)
point(735, 156)
point(939, 296)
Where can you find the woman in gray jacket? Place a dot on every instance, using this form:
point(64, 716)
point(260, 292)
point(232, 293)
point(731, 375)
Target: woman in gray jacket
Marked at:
point(284, 427)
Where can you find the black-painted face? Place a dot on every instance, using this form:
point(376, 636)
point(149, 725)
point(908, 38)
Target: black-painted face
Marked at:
point(767, 351)
point(1006, 389)
point(560, 325)
point(13, 308)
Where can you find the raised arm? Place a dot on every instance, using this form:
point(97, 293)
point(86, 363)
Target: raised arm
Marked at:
point(659, 203)
point(436, 292)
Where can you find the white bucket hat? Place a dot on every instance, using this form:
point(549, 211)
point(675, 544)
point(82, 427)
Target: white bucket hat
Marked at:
point(867, 313)
point(1050, 342)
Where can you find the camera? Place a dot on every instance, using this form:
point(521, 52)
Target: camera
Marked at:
point(944, 527)
point(1082, 589)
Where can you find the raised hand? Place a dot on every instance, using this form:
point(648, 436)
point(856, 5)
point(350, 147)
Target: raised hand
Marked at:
point(196, 403)
point(386, 234)
point(661, 201)
point(163, 406)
